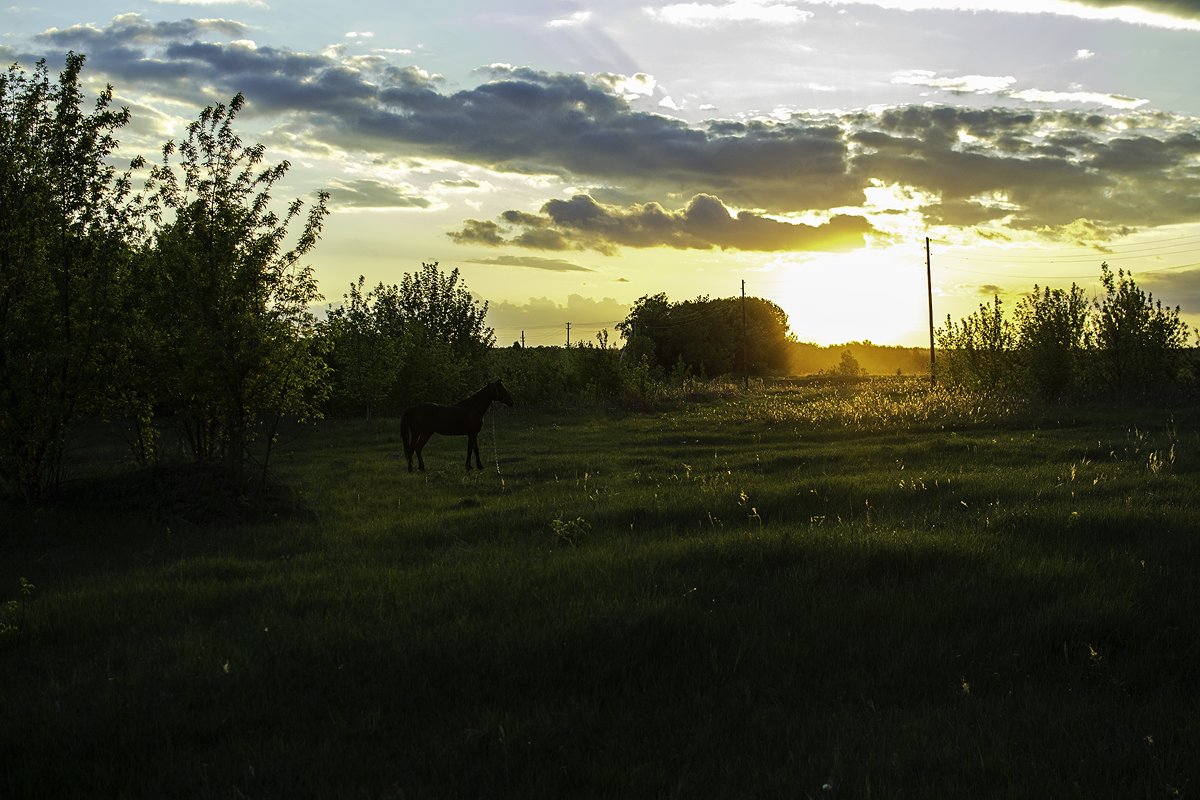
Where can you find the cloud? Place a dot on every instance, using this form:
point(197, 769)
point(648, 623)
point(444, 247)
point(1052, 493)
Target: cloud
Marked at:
point(544, 321)
point(1051, 168)
point(132, 28)
point(247, 3)
point(582, 223)
point(571, 20)
point(966, 84)
point(533, 262)
point(1083, 98)
point(1002, 86)
point(367, 193)
point(705, 15)
point(1036, 168)
point(1182, 287)
point(1171, 14)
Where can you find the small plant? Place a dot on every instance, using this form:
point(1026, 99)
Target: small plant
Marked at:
point(12, 613)
point(570, 531)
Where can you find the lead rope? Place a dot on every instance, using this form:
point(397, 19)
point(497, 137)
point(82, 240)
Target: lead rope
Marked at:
point(496, 452)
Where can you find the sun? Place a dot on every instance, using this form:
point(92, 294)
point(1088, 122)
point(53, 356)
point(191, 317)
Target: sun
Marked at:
point(875, 294)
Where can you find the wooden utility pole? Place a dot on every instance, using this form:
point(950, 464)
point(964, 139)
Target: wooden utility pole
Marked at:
point(569, 334)
point(745, 363)
point(929, 289)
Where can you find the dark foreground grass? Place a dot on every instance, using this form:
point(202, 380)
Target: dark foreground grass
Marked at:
point(754, 597)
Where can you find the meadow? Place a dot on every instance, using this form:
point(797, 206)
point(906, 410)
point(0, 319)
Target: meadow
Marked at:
point(814, 589)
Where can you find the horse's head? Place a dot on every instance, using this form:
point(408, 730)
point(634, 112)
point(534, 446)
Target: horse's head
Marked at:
point(501, 394)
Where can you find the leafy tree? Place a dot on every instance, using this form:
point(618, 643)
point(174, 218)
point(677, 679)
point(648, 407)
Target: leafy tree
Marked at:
point(977, 350)
point(425, 337)
point(1051, 336)
point(705, 335)
point(1139, 343)
point(849, 367)
point(67, 224)
point(367, 350)
point(235, 341)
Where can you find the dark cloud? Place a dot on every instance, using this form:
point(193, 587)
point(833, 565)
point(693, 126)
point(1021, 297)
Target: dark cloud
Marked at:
point(582, 223)
point(1177, 288)
point(1044, 170)
point(129, 29)
point(1187, 9)
point(1001, 169)
point(534, 262)
point(366, 193)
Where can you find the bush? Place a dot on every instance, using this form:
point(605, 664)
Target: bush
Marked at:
point(1122, 345)
point(421, 339)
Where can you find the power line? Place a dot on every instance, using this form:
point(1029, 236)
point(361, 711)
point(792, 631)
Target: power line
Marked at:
point(1062, 277)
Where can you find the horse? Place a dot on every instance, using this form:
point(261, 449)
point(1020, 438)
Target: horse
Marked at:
point(465, 418)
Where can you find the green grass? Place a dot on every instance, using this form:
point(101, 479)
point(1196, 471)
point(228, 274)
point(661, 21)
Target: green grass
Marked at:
point(816, 590)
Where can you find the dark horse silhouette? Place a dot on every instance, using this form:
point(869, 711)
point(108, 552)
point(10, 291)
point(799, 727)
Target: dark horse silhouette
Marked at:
point(464, 418)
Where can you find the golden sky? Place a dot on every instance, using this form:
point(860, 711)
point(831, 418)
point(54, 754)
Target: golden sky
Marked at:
point(569, 158)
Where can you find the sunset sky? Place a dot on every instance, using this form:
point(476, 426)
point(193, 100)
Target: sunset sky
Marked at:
point(570, 157)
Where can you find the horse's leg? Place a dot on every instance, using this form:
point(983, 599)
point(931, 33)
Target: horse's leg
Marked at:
point(406, 437)
point(419, 444)
point(473, 446)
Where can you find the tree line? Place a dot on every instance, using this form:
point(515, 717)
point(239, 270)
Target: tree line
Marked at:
point(1057, 344)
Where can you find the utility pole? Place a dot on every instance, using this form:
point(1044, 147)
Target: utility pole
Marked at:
point(929, 289)
point(522, 340)
point(569, 334)
point(745, 364)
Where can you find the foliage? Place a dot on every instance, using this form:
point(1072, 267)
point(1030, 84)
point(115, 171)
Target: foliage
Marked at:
point(66, 228)
point(1123, 344)
point(1051, 335)
point(424, 338)
point(848, 366)
point(1139, 343)
point(977, 350)
point(584, 372)
point(709, 337)
point(230, 337)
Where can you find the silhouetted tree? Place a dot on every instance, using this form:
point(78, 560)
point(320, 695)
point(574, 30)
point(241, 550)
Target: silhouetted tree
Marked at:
point(234, 340)
point(1051, 337)
point(67, 225)
point(977, 351)
point(423, 338)
point(705, 335)
point(1139, 343)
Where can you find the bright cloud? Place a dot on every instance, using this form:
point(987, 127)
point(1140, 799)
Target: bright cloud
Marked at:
point(965, 84)
point(1172, 14)
point(701, 15)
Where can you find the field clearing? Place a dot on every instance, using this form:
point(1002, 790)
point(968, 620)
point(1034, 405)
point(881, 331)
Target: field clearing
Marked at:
point(816, 589)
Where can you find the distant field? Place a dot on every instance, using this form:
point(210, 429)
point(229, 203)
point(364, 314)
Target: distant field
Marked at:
point(816, 589)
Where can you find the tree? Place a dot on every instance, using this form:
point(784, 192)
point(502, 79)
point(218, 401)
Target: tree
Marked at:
point(67, 232)
point(235, 341)
point(424, 337)
point(1139, 343)
point(1051, 336)
point(977, 350)
point(849, 367)
point(706, 334)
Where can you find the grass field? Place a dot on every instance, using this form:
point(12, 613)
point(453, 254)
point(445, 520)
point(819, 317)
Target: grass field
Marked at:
point(811, 590)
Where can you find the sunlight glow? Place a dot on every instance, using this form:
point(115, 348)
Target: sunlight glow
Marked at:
point(869, 294)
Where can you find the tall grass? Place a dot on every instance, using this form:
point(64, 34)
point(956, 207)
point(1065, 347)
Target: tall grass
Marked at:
point(808, 591)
